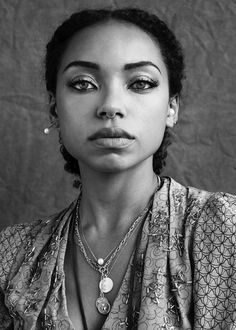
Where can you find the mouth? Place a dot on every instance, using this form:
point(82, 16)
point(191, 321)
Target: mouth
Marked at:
point(111, 133)
point(112, 138)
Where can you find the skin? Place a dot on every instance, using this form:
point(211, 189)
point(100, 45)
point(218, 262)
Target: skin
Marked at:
point(116, 174)
point(144, 113)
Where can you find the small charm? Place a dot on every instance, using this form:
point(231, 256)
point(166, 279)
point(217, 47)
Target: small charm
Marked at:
point(103, 305)
point(101, 261)
point(106, 284)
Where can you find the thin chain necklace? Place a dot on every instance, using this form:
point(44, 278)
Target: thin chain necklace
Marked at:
point(100, 261)
point(102, 265)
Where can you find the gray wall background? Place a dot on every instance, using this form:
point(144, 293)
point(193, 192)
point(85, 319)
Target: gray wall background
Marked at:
point(32, 180)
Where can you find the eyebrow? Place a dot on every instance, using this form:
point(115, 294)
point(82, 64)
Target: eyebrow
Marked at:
point(135, 65)
point(128, 66)
point(85, 64)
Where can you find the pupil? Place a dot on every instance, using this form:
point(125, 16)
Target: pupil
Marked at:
point(141, 84)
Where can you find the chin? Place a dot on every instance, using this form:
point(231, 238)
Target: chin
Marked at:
point(112, 169)
point(112, 165)
point(115, 163)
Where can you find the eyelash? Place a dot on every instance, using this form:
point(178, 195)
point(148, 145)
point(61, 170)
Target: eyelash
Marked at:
point(151, 84)
point(77, 81)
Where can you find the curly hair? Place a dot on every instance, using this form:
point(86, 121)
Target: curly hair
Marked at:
point(169, 46)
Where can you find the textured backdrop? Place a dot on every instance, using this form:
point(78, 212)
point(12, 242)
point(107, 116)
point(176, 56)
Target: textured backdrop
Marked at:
point(32, 180)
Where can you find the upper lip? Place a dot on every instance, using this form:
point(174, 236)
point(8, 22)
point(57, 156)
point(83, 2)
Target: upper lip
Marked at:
point(110, 133)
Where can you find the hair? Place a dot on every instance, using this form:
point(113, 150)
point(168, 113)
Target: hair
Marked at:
point(169, 46)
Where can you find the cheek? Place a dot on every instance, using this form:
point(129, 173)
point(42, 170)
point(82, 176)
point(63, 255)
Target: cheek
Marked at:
point(73, 113)
point(72, 127)
point(72, 104)
point(153, 122)
point(154, 113)
point(153, 131)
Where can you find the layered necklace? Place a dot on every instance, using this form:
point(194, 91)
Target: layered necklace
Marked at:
point(105, 265)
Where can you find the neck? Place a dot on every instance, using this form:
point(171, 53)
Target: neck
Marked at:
point(112, 201)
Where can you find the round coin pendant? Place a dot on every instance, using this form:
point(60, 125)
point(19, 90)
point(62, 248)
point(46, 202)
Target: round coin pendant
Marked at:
point(103, 305)
point(106, 284)
point(100, 261)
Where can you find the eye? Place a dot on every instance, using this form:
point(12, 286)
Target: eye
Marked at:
point(143, 84)
point(83, 84)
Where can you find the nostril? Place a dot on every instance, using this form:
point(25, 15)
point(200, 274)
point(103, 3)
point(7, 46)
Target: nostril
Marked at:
point(109, 112)
point(120, 114)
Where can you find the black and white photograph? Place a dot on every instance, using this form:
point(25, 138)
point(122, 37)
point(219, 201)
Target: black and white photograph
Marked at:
point(118, 165)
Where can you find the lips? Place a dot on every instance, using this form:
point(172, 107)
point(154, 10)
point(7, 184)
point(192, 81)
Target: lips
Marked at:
point(112, 139)
point(111, 133)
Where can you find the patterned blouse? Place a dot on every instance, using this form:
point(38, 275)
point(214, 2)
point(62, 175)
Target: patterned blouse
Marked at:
point(182, 274)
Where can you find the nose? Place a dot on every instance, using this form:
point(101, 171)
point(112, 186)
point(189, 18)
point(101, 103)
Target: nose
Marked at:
point(109, 112)
point(112, 106)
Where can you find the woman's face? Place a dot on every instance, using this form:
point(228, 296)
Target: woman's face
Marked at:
point(113, 69)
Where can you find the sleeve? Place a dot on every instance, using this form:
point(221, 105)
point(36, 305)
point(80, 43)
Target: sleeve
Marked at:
point(6, 322)
point(215, 264)
point(11, 240)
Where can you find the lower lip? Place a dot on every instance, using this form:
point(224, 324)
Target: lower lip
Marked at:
point(113, 143)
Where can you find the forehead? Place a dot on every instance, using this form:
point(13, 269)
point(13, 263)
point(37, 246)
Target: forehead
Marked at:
point(113, 43)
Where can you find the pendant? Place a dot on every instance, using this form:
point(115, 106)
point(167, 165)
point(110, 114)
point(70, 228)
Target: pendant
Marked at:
point(103, 305)
point(106, 284)
point(100, 261)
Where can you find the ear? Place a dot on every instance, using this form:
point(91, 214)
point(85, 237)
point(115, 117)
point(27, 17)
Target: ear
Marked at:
point(173, 111)
point(53, 110)
point(52, 105)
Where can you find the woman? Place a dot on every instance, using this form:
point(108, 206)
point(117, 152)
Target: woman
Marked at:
point(134, 250)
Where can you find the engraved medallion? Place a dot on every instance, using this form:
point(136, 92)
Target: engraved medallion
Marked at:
point(103, 305)
point(106, 284)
